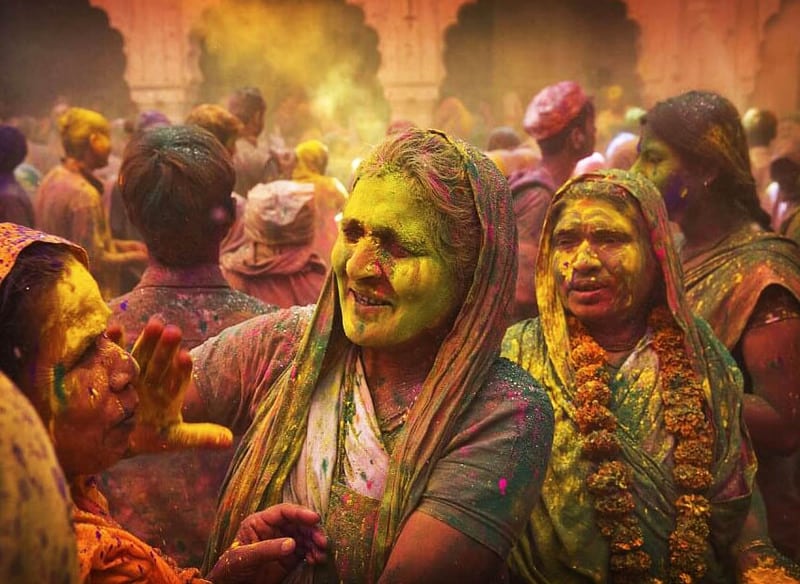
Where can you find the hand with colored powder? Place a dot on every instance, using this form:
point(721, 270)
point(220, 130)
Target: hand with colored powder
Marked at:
point(165, 372)
point(270, 544)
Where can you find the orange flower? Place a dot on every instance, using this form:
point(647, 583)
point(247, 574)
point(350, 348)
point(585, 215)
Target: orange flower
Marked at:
point(684, 417)
point(594, 416)
point(600, 445)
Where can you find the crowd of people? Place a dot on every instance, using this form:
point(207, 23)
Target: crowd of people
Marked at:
point(521, 362)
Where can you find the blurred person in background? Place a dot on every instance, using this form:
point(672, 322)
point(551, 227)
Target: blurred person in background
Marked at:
point(761, 128)
point(15, 203)
point(329, 194)
point(561, 120)
point(740, 277)
point(277, 263)
point(176, 184)
point(69, 202)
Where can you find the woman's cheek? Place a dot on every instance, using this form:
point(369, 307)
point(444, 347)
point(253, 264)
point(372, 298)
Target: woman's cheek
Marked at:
point(675, 194)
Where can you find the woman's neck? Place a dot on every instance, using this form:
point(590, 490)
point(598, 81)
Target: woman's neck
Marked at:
point(619, 341)
point(395, 378)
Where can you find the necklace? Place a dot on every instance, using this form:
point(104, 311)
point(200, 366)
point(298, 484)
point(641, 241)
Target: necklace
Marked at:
point(396, 419)
point(611, 479)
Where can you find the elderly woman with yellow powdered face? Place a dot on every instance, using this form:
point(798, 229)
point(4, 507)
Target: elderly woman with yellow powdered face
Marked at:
point(651, 472)
point(387, 409)
point(97, 403)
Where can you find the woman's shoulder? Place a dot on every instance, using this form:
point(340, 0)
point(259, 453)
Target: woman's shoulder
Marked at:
point(509, 385)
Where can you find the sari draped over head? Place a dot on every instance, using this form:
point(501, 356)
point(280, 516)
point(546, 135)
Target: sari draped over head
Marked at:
point(14, 239)
point(329, 194)
point(272, 446)
point(562, 542)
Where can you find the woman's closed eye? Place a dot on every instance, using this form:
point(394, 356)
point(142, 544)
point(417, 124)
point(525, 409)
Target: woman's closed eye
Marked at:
point(89, 351)
point(352, 231)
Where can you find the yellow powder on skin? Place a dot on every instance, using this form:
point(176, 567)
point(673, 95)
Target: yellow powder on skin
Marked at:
point(74, 315)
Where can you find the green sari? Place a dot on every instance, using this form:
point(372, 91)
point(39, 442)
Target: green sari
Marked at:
point(562, 543)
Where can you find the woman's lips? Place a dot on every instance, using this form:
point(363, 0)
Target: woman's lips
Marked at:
point(366, 300)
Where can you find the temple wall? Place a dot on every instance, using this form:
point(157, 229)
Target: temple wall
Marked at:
point(748, 50)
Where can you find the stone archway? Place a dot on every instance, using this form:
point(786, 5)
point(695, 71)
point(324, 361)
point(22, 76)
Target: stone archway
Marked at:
point(683, 44)
point(65, 52)
point(501, 52)
point(162, 58)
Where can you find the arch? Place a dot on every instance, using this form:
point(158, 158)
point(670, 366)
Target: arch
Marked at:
point(501, 52)
point(60, 51)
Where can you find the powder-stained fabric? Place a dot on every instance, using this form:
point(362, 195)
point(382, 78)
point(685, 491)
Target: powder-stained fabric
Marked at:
point(110, 554)
point(562, 542)
point(36, 537)
point(70, 204)
point(173, 509)
point(465, 382)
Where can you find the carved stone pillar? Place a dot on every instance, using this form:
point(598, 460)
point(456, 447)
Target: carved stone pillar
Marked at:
point(162, 71)
point(700, 44)
point(411, 42)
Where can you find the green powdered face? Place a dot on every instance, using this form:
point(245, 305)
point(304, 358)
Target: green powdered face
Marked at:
point(395, 287)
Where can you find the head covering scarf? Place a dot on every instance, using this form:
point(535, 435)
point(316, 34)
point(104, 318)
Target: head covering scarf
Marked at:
point(280, 213)
point(562, 537)
point(274, 442)
point(705, 129)
point(645, 195)
point(312, 159)
point(15, 238)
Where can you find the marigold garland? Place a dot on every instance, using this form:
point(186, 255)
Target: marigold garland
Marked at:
point(611, 481)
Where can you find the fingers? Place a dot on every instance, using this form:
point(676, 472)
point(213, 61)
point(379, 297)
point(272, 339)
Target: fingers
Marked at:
point(115, 334)
point(156, 368)
point(263, 561)
point(286, 513)
point(145, 344)
point(287, 519)
point(280, 519)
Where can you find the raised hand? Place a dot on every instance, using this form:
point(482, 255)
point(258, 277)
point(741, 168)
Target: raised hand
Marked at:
point(165, 372)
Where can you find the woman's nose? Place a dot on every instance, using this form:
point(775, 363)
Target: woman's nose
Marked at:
point(124, 369)
point(364, 262)
point(585, 257)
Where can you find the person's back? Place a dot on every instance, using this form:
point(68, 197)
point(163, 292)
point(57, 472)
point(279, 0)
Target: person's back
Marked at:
point(176, 187)
point(69, 201)
point(253, 161)
point(329, 193)
point(277, 262)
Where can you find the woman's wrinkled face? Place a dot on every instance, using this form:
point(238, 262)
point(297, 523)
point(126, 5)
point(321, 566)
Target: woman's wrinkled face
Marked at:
point(603, 264)
point(665, 168)
point(395, 288)
point(90, 377)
